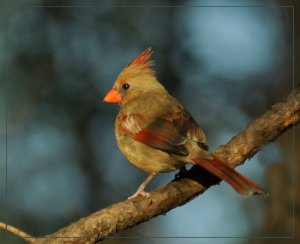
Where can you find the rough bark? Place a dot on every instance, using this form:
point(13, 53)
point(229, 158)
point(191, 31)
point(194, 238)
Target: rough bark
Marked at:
point(128, 213)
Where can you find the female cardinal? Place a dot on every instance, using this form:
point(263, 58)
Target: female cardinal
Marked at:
point(157, 134)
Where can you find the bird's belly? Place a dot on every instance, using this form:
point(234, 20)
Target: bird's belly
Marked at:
point(146, 158)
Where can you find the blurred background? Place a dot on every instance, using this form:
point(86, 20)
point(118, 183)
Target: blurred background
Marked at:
point(226, 61)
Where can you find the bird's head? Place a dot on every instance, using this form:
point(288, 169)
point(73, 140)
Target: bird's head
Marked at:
point(137, 78)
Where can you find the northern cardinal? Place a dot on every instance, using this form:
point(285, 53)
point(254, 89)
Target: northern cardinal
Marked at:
point(157, 134)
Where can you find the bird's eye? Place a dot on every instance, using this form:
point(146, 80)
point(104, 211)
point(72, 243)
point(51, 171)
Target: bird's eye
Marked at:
point(125, 86)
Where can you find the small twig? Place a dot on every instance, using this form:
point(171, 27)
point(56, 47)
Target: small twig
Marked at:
point(17, 232)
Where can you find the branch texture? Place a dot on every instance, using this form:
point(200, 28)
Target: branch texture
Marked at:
point(128, 213)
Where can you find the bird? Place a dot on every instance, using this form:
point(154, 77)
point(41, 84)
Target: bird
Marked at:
point(158, 135)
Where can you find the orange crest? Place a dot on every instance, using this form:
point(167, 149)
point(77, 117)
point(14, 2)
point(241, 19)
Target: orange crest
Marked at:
point(141, 65)
point(143, 58)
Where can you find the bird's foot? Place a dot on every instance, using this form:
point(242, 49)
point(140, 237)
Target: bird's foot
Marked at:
point(143, 193)
point(140, 190)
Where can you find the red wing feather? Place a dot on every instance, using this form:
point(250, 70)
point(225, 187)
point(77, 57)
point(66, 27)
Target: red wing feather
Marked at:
point(160, 133)
point(157, 141)
point(167, 133)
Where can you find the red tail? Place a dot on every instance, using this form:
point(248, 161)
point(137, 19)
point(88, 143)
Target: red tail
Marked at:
point(238, 182)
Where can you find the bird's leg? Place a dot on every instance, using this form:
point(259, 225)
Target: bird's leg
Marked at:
point(140, 190)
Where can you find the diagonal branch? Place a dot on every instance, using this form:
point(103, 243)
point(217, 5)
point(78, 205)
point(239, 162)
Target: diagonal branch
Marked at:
point(8, 228)
point(128, 213)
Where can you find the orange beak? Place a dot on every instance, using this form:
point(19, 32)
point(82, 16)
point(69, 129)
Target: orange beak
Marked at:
point(113, 96)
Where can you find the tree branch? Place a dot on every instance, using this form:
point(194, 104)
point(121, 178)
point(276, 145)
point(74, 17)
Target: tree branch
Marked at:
point(26, 237)
point(128, 213)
